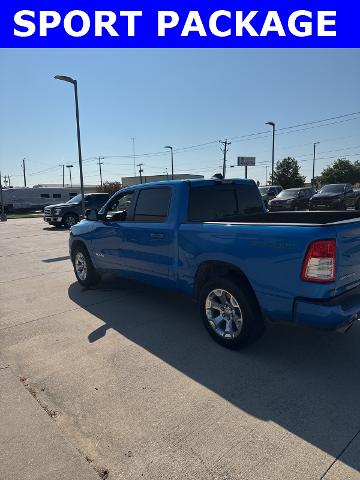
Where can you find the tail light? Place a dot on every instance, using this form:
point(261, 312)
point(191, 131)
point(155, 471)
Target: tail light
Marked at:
point(320, 262)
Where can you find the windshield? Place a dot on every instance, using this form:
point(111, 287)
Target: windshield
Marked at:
point(288, 194)
point(333, 189)
point(76, 199)
point(264, 190)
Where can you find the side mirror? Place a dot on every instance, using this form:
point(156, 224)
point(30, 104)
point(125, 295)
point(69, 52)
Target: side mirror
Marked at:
point(117, 216)
point(91, 215)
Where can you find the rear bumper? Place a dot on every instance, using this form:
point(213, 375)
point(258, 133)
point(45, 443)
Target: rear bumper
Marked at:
point(281, 208)
point(333, 206)
point(333, 314)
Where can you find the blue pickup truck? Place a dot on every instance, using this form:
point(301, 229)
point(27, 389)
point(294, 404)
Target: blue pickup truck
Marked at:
point(214, 240)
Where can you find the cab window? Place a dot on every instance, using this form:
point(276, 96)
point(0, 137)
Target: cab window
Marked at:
point(153, 205)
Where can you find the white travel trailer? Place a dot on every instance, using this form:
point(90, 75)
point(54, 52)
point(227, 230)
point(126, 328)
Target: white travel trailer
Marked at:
point(39, 197)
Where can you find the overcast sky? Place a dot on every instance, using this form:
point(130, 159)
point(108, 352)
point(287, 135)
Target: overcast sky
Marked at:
point(175, 97)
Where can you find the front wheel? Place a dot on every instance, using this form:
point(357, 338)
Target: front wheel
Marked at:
point(230, 313)
point(70, 219)
point(84, 269)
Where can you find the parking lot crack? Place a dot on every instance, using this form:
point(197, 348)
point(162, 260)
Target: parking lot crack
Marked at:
point(8, 327)
point(339, 455)
point(34, 276)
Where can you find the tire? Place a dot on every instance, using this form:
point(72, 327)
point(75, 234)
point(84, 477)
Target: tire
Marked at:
point(239, 320)
point(70, 219)
point(84, 269)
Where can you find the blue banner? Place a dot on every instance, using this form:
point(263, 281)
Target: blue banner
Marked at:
point(179, 24)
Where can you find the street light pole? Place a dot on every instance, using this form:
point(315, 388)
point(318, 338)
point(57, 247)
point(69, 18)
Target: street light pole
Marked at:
point(75, 85)
point(172, 160)
point(272, 124)
point(63, 174)
point(2, 215)
point(314, 158)
point(70, 167)
point(24, 171)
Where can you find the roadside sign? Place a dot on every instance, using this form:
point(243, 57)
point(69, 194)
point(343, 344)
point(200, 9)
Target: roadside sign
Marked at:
point(246, 161)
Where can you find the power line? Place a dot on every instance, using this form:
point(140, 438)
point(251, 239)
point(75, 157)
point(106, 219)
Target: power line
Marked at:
point(248, 137)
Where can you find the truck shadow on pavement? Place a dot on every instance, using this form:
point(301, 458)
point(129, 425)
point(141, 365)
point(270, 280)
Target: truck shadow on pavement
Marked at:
point(303, 380)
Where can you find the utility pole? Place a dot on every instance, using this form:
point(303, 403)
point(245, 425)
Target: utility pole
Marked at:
point(314, 158)
point(24, 171)
point(226, 144)
point(100, 163)
point(134, 154)
point(2, 215)
point(266, 176)
point(141, 171)
point(63, 174)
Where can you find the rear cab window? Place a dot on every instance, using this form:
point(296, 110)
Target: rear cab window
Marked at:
point(216, 202)
point(153, 205)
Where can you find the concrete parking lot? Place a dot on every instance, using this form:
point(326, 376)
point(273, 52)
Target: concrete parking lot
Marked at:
point(128, 378)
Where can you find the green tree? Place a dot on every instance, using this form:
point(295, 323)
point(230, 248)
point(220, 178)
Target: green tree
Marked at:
point(287, 173)
point(109, 187)
point(341, 171)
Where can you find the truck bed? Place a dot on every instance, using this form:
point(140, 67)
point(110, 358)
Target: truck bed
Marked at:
point(291, 218)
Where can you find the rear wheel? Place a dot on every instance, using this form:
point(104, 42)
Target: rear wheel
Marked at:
point(70, 219)
point(84, 269)
point(230, 313)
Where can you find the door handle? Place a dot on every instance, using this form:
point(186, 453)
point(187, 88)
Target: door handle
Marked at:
point(157, 236)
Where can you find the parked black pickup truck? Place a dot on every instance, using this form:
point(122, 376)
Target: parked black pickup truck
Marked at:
point(337, 196)
point(69, 213)
point(292, 199)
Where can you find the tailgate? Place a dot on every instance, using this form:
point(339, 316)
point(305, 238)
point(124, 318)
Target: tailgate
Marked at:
point(348, 256)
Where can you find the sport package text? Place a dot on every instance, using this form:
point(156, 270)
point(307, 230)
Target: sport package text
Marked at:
point(220, 23)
